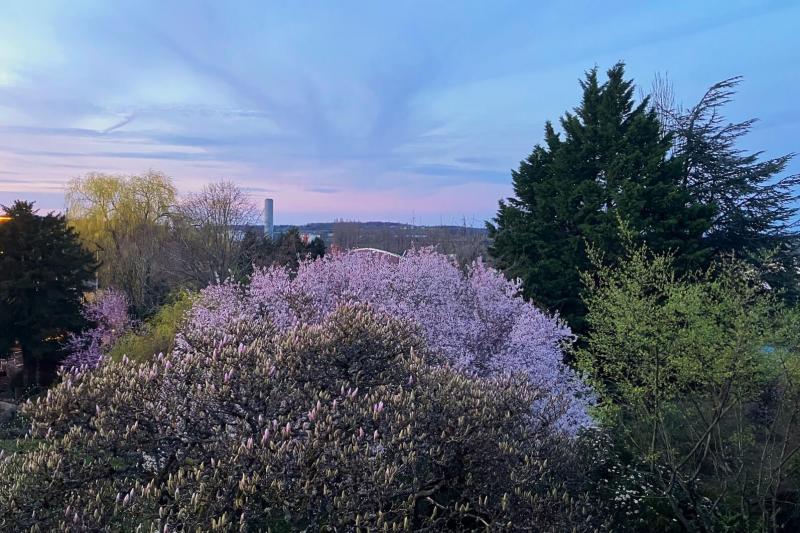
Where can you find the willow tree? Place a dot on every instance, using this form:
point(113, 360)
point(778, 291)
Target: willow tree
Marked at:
point(124, 221)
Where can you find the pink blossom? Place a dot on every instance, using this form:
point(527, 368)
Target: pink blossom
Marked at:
point(108, 312)
point(476, 319)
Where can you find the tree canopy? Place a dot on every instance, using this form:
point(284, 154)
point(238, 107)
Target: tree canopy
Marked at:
point(207, 240)
point(754, 199)
point(123, 220)
point(289, 249)
point(341, 426)
point(697, 378)
point(44, 272)
point(610, 162)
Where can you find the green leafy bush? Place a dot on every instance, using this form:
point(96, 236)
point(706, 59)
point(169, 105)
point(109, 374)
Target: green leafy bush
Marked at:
point(341, 426)
point(698, 381)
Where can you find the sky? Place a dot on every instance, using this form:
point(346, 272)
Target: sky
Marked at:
point(403, 111)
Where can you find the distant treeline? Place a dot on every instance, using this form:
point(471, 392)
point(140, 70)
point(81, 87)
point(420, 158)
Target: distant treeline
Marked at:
point(464, 242)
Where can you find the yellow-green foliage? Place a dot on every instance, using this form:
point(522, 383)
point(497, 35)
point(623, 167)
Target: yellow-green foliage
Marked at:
point(157, 334)
point(655, 337)
point(698, 380)
point(124, 221)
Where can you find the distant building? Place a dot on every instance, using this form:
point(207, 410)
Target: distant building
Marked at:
point(265, 229)
point(308, 237)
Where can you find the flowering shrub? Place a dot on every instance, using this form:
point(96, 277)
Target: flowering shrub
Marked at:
point(477, 321)
point(342, 425)
point(108, 312)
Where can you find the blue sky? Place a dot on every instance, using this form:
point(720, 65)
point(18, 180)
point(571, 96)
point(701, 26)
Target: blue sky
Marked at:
point(408, 111)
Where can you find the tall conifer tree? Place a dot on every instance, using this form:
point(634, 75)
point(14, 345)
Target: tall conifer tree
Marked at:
point(610, 164)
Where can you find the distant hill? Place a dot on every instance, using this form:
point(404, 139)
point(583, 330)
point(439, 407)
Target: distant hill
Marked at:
point(326, 230)
point(464, 242)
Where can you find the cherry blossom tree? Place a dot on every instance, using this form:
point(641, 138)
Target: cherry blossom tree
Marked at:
point(476, 321)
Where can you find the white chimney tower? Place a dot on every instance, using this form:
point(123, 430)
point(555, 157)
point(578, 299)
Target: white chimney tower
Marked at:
point(268, 226)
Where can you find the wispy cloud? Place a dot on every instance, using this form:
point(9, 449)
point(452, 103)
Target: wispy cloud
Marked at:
point(389, 108)
point(124, 122)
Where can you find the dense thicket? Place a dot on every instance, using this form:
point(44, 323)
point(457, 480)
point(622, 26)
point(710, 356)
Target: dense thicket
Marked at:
point(44, 272)
point(338, 426)
point(699, 381)
point(610, 163)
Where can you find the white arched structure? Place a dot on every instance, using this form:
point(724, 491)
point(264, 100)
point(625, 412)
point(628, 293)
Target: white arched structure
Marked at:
point(375, 251)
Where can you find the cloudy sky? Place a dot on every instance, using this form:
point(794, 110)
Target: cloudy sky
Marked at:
point(407, 111)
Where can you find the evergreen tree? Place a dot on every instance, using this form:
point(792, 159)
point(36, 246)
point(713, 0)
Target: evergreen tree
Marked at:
point(610, 164)
point(260, 251)
point(755, 202)
point(755, 206)
point(254, 251)
point(44, 271)
point(315, 248)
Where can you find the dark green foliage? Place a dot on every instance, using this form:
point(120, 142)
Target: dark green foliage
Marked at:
point(755, 202)
point(43, 274)
point(315, 247)
point(610, 164)
point(755, 207)
point(286, 250)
